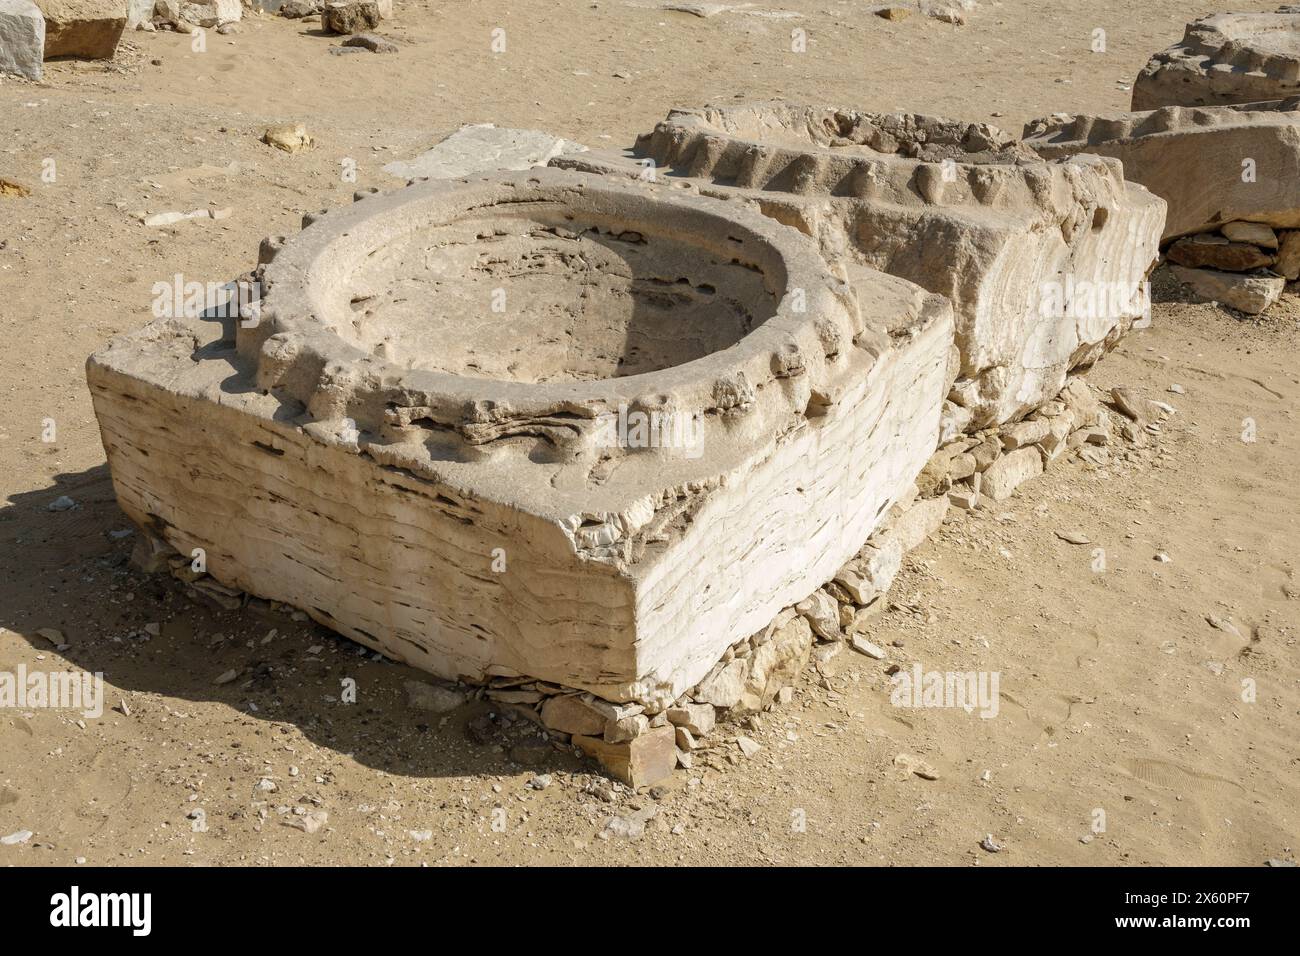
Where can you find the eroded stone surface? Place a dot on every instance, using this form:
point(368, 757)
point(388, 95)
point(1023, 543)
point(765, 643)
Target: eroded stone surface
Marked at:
point(1211, 165)
point(463, 510)
point(22, 38)
point(1043, 261)
point(1225, 59)
point(482, 148)
point(88, 29)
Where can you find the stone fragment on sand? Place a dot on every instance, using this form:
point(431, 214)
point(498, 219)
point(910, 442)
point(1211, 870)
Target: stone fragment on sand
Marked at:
point(642, 762)
point(310, 822)
point(87, 29)
point(211, 13)
point(1228, 256)
point(1073, 537)
point(22, 48)
point(435, 698)
point(484, 148)
point(864, 646)
point(910, 764)
point(748, 746)
point(894, 13)
point(297, 9)
point(351, 16)
point(1010, 471)
point(371, 42)
point(289, 137)
point(1251, 294)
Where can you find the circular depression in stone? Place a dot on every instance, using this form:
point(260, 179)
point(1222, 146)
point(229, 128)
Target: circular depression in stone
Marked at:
point(545, 293)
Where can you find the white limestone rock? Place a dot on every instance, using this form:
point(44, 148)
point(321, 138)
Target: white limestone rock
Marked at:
point(22, 38)
point(483, 148)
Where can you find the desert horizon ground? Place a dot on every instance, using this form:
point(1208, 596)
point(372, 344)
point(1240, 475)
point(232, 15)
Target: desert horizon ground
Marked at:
point(1116, 693)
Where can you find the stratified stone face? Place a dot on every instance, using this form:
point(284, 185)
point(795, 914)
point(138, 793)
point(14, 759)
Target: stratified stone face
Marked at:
point(1044, 262)
point(22, 38)
point(88, 29)
point(1211, 165)
point(623, 428)
point(1225, 59)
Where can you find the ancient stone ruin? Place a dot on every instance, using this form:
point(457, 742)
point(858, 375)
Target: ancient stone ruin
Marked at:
point(1225, 59)
point(627, 442)
point(1229, 175)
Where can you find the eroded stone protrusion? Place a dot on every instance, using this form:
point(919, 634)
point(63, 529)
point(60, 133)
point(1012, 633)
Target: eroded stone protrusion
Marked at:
point(1226, 59)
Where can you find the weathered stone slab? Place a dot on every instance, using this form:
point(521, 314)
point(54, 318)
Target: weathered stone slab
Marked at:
point(1198, 253)
point(483, 148)
point(1251, 294)
point(1211, 165)
point(641, 762)
point(88, 29)
point(22, 38)
point(1011, 471)
point(211, 13)
point(1044, 261)
point(436, 478)
point(1224, 59)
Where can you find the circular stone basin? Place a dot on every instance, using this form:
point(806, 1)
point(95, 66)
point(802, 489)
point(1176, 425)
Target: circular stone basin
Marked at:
point(541, 294)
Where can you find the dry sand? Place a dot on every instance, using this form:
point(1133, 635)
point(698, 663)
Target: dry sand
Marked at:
point(1116, 693)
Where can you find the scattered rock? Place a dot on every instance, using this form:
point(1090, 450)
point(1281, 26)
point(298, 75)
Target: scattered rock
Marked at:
point(911, 764)
point(1073, 537)
point(226, 677)
point(894, 13)
point(436, 698)
point(371, 42)
point(699, 719)
point(1251, 294)
point(643, 762)
point(211, 13)
point(540, 782)
point(822, 612)
point(61, 503)
point(991, 845)
point(309, 822)
point(290, 137)
point(15, 838)
point(747, 746)
point(1009, 472)
point(351, 16)
point(297, 9)
point(864, 646)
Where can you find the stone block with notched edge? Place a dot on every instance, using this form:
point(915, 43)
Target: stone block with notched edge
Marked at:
point(426, 473)
point(1044, 261)
point(1224, 59)
point(1212, 165)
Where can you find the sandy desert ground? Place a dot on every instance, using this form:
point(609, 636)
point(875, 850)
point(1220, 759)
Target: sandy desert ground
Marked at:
point(1117, 694)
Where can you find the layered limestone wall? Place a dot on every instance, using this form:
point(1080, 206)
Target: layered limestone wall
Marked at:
point(1225, 59)
point(1044, 262)
point(448, 484)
